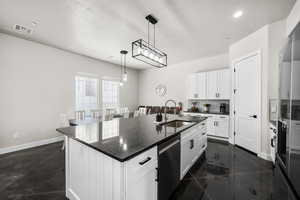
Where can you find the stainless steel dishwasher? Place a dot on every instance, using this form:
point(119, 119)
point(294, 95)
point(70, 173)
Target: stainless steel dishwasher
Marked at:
point(168, 167)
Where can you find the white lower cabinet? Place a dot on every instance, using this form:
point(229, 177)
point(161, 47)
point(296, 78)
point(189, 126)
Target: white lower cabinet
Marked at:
point(91, 175)
point(222, 126)
point(217, 125)
point(141, 175)
point(193, 144)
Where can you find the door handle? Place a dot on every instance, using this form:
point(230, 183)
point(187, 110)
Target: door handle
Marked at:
point(272, 142)
point(253, 116)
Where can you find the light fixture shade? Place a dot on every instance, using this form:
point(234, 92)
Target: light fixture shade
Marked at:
point(147, 53)
point(125, 77)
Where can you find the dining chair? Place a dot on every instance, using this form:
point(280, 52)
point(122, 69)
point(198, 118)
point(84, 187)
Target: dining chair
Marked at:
point(95, 114)
point(136, 113)
point(80, 115)
point(143, 111)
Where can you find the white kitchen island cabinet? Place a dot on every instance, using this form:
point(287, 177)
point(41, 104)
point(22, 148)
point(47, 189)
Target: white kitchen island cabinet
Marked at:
point(124, 165)
point(193, 144)
point(91, 175)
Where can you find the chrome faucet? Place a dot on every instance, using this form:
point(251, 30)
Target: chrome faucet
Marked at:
point(170, 100)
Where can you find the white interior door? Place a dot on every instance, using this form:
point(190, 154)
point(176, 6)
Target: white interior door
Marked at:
point(247, 103)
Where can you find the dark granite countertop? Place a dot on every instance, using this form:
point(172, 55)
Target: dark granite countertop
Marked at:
point(209, 113)
point(124, 138)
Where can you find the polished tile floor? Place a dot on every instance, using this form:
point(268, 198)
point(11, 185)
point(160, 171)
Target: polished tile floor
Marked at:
point(227, 173)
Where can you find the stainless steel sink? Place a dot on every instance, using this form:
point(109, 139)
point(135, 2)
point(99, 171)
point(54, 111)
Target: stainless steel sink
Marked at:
point(178, 123)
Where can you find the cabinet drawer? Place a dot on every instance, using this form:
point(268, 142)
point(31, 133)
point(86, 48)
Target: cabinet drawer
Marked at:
point(185, 135)
point(222, 117)
point(144, 160)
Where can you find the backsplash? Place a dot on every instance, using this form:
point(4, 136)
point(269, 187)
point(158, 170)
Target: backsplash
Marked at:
point(214, 104)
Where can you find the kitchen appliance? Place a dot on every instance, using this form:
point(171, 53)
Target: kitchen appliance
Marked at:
point(273, 139)
point(288, 144)
point(168, 167)
point(224, 108)
point(206, 108)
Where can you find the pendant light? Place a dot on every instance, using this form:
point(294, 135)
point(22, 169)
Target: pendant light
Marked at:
point(124, 75)
point(146, 52)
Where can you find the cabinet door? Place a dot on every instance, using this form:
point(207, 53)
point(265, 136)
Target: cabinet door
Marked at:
point(211, 88)
point(223, 84)
point(285, 80)
point(222, 127)
point(192, 86)
point(296, 80)
point(210, 126)
point(142, 186)
point(201, 85)
point(186, 156)
point(141, 176)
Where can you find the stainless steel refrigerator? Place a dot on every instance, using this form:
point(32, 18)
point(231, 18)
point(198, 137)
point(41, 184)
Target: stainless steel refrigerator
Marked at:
point(287, 168)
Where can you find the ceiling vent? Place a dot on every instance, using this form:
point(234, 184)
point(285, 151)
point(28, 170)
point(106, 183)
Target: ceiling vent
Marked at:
point(22, 29)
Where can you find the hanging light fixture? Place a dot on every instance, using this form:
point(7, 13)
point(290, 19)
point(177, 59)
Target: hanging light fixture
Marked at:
point(146, 52)
point(124, 75)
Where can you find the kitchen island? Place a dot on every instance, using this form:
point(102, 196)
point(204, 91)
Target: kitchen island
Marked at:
point(118, 159)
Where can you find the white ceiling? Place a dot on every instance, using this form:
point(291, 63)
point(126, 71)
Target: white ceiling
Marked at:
point(187, 29)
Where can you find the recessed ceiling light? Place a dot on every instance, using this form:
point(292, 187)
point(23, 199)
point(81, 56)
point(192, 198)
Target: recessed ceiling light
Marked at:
point(238, 14)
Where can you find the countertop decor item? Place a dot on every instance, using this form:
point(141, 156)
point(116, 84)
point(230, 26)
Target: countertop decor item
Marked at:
point(147, 52)
point(159, 117)
point(194, 107)
point(206, 107)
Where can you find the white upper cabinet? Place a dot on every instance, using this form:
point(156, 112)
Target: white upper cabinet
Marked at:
point(192, 86)
point(218, 84)
point(223, 84)
point(212, 85)
point(196, 86)
point(209, 85)
point(201, 82)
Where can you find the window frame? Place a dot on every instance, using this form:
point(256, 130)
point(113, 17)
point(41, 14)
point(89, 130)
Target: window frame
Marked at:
point(78, 106)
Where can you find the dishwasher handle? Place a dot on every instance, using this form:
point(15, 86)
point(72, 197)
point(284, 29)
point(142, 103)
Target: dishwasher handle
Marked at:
point(169, 146)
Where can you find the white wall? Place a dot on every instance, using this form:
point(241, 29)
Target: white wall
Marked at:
point(269, 41)
point(277, 39)
point(174, 77)
point(37, 85)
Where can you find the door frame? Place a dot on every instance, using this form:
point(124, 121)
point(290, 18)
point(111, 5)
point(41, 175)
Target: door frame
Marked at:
point(233, 64)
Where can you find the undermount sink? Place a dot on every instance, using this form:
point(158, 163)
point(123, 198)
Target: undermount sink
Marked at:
point(178, 123)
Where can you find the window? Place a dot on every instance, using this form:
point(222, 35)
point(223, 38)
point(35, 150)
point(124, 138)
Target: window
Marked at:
point(87, 93)
point(110, 94)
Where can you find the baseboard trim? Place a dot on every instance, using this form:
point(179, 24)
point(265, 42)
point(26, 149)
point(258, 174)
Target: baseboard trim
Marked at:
point(265, 156)
point(30, 145)
point(217, 138)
